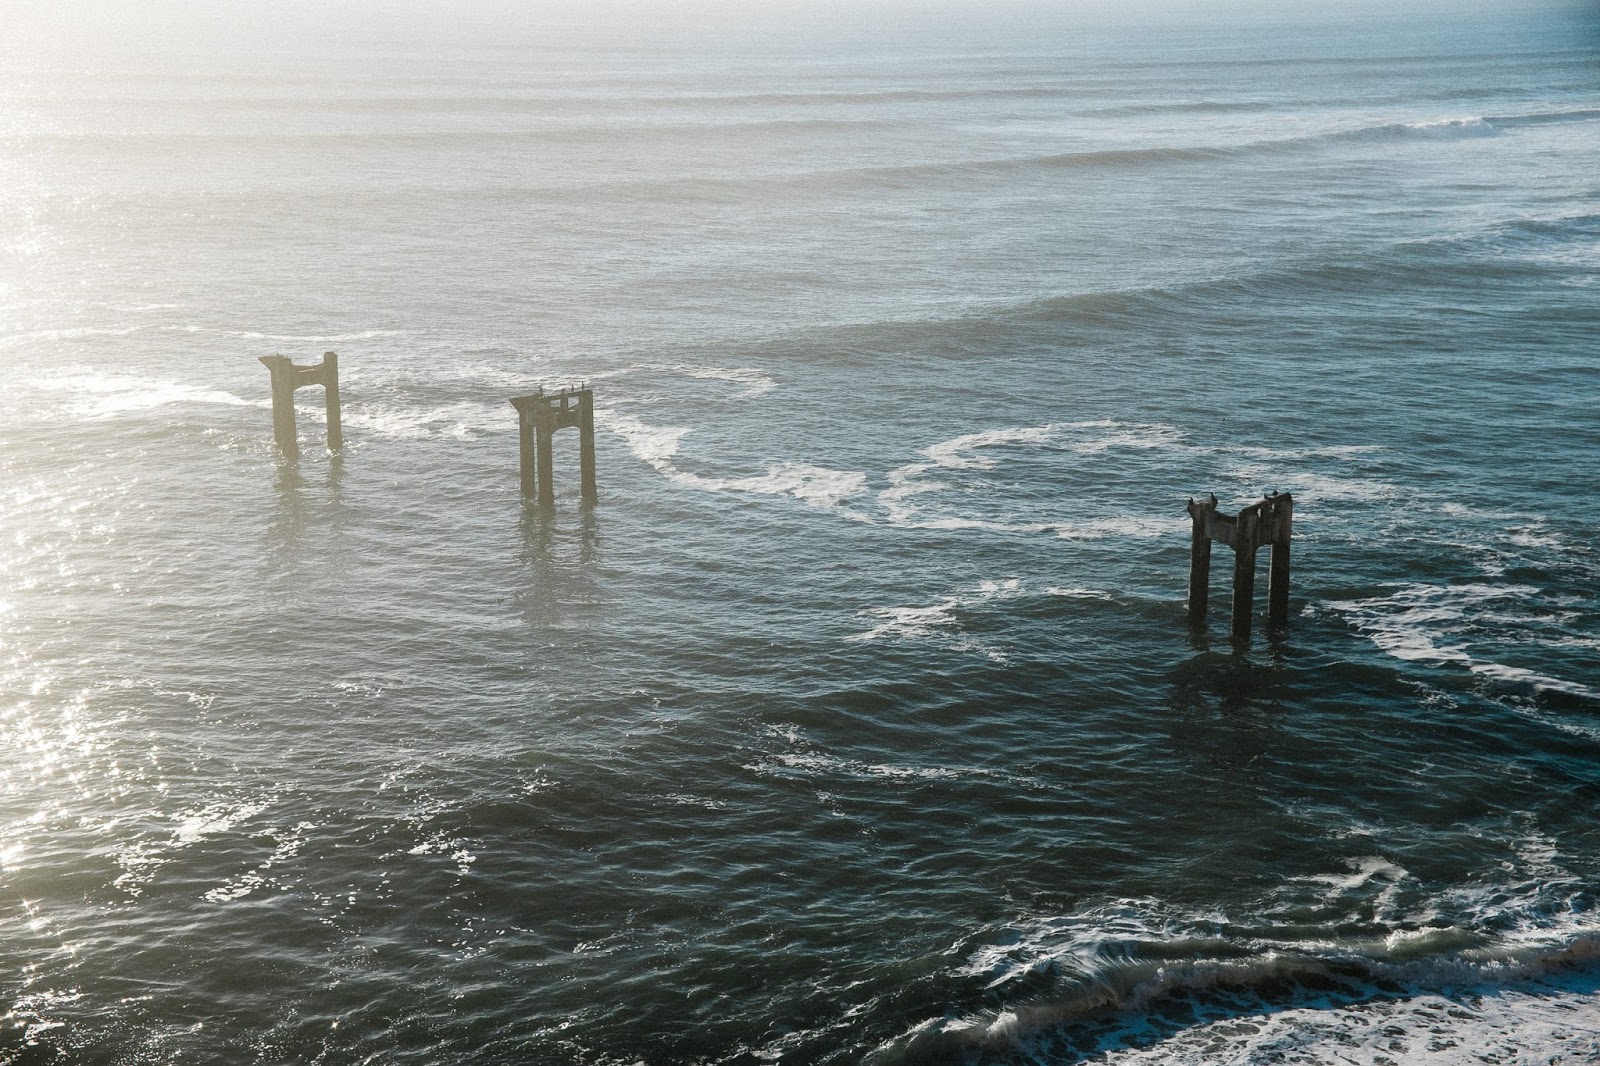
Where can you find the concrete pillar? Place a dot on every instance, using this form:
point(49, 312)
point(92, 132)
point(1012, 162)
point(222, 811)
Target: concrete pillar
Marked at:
point(544, 425)
point(330, 388)
point(283, 385)
point(530, 469)
point(286, 377)
point(1200, 560)
point(1269, 522)
point(1244, 573)
point(591, 490)
point(1278, 572)
point(540, 415)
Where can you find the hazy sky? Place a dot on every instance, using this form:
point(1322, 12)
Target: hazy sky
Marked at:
point(64, 24)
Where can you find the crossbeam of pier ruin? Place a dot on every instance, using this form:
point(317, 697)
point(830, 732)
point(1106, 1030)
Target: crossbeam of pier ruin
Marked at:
point(286, 377)
point(1266, 523)
point(539, 415)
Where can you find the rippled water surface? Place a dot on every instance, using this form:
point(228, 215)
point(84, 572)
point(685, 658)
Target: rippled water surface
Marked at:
point(859, 719)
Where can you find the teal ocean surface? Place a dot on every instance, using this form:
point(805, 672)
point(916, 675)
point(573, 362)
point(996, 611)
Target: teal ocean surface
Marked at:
point(859, 720)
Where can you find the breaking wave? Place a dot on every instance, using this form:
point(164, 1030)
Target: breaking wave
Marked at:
point(1138, 981)
point(1447, 625)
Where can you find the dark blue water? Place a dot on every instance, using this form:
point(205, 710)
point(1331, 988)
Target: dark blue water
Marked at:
point(860, 719)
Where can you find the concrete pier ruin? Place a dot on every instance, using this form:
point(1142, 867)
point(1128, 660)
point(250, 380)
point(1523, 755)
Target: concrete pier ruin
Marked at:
point(539, 415)
point(1269, 522)
point(286, 377)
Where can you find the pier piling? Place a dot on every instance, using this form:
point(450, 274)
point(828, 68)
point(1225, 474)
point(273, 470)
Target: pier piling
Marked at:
point(539, 415)
point(1268, 523)
point(286, 377)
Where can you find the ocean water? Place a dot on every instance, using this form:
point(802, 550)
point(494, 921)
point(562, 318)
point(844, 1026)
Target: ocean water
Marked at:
point(859, 720)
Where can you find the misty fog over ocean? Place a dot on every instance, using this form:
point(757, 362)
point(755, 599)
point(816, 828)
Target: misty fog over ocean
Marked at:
point(859, 721)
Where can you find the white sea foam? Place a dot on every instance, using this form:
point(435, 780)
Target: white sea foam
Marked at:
point(1341, 452)
point(755, 382)
point(1310, 484)
point(809, 761)
point(1445, 991)
point(954, 522)
point(1468, 126)
point(1429, 623)
point(913, 494)
point(941, 621)
point(1361, 871)
point(1152, 435)
point(1372, 882)
point(464, 420)
point(292, 338)
point(1533, 536)
point(658, 445)
point(827, 764)
point(1581, 643)
point(817, 485)
point(17, 340)
point(1543, 1024)
point(962, 453)
point(1534, 680)
point(1078, 593)
point(912, 622)
point(1144, 527)
point(96, 396)
point(907, 499)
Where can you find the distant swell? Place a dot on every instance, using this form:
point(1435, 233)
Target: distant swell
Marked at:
point(1544, 118)
point(1443, 129)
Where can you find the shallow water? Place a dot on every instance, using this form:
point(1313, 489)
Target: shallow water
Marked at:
point(859, 719)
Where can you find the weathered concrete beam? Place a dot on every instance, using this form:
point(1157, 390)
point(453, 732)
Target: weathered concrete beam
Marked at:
point(1269, 522)
point(539, 416)
point(287, 377)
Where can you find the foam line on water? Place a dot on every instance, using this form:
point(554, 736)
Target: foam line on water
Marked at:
point(964, 452)
point(99, 396)
point(81, 333)
point(963, 459)
point(819, 486)
point(755, 382)
point(1429, 624)
point(945, 620)
point(657, 445)
point(295, 338)
point(66, 334)
point(1310, 484)
point(812, 763)
point(1145, 527)
point(465, 420)
point(1532, 1025)
point(1161, 155)
point(941, 621)
point(1145, 980)
point(1078, 593)
point(1344, 452)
